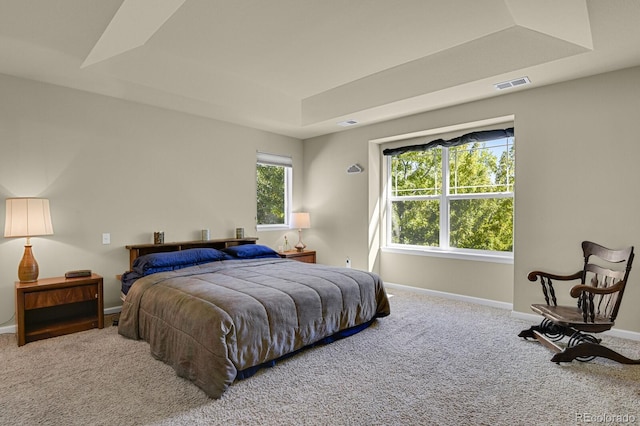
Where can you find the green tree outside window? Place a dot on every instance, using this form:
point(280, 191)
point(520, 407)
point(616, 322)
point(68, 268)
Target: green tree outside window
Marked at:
point(271, 194)
point(477, 195)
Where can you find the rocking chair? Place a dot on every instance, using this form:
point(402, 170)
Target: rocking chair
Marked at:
point(598, 295)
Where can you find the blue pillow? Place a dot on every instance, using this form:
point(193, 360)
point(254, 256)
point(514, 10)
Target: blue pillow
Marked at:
point(251, 251)
point(168, 261)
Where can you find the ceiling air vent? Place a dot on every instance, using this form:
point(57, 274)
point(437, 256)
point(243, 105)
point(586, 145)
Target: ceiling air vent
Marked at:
point(347, 123)
point(512, 83)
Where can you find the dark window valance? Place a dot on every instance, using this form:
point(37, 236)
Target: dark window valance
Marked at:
point(485, 135)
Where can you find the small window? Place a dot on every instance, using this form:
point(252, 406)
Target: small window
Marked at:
point(273, 190)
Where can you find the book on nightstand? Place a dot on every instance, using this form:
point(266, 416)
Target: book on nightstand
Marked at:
point(78, 273)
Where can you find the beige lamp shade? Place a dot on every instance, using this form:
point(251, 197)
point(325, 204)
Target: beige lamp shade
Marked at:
point(300, 221)
point(27, 217)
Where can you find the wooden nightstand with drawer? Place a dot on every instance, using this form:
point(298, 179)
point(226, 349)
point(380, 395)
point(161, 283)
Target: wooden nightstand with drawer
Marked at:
point(307, 256)
point(55, 306)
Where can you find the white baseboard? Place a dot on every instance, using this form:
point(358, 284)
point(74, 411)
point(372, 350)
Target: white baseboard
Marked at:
point(624, 334)
point(11, 329)
point(445, 295)
point(115, 310)
point(526, 316)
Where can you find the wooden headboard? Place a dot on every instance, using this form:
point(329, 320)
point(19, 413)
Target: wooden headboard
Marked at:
point(137, 250)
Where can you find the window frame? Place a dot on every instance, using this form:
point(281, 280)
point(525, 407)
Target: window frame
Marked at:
point(276, 160)
point(444, 198)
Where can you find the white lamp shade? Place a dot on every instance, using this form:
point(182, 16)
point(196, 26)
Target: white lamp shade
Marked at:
point(27, 217)
point(300, 221)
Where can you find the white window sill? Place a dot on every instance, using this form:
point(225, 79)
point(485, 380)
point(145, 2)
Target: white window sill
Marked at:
point(494, 257)
point(260, 228)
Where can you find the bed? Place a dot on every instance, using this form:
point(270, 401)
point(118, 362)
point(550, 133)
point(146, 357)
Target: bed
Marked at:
point(218, 314)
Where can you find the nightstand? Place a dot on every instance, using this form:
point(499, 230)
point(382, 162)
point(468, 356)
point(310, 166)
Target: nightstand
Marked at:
point(55, 306)
point(307, 256)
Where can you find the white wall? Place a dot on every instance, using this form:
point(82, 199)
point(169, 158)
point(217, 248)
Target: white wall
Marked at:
point(577, 174)
point(127, 169)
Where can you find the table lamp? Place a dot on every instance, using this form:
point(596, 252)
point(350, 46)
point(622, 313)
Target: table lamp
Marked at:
point(27, 217)
point(300, 221)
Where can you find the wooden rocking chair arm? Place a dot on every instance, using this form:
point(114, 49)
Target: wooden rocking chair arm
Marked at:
point(533, 276)
point(578, 289)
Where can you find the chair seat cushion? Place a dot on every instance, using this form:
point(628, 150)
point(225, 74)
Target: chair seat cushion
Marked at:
point(571, 316)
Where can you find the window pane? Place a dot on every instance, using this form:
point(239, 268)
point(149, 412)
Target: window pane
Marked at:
point(482, 167)
point(482, 224)
point(416, 173)
point(505, 175)
point(416, 222)
point(271, 195)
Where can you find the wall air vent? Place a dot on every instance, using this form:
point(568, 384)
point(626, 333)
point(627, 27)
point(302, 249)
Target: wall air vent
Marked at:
point(512, 83)
point(347, 123)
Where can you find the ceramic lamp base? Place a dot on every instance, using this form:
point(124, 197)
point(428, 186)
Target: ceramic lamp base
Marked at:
point(28, 269)
point(300, 246)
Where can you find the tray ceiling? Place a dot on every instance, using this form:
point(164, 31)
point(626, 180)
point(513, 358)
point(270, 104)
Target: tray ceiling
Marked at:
point(300, 67)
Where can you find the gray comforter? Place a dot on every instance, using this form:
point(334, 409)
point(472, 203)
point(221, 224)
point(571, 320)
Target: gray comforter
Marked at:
point(210, 321)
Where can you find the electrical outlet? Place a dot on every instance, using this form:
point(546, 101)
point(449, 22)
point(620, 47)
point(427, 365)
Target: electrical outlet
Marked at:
point(106, 238)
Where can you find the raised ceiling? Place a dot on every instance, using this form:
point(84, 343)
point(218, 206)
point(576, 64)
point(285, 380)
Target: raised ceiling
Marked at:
point(298, 67)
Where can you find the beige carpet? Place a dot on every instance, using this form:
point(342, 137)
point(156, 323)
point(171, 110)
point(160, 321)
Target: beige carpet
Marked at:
point(433, 361)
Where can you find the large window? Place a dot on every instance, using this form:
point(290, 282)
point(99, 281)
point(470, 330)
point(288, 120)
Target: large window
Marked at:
point(273, 190)
point(452, 195)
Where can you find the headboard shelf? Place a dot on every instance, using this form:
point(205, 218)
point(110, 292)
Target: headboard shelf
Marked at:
point(137, 250)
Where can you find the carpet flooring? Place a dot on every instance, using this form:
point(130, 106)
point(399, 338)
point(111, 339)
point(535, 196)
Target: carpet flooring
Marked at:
point(433, 361)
